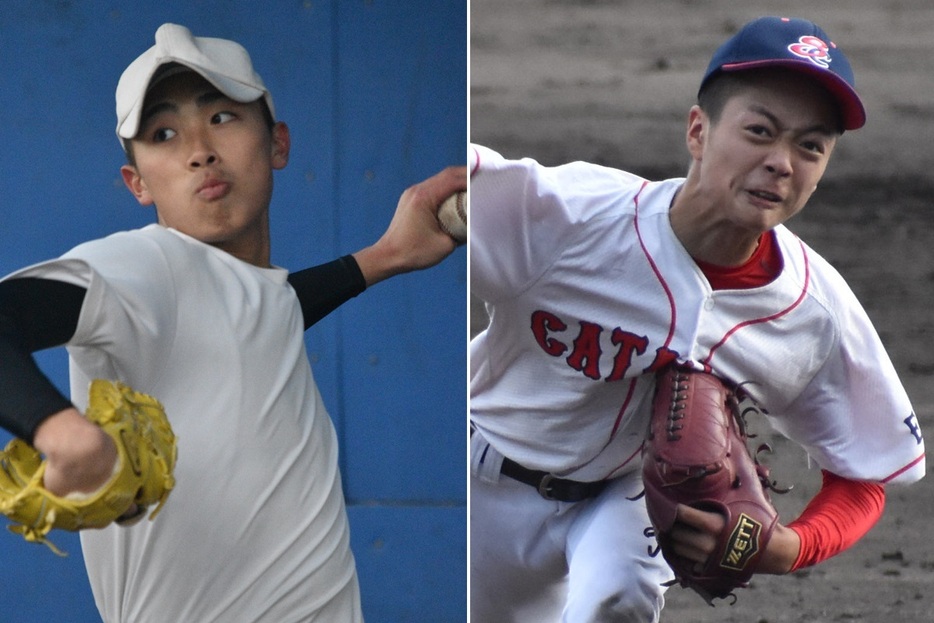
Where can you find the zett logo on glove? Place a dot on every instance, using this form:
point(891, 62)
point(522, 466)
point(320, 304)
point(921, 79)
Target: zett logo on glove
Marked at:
point(743, 543)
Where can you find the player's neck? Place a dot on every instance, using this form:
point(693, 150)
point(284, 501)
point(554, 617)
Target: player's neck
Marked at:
point(706, 236)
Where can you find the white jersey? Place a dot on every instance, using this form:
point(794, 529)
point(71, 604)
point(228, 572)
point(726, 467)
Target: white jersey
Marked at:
point(589, 291)
point(255, 529)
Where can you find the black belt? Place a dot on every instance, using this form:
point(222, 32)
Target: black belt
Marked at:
point(550, 487)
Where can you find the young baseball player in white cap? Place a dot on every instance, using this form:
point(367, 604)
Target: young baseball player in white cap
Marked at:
point(596, 278)
point(191, 311)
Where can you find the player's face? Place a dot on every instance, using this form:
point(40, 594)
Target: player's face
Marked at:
point(206, 162)
point(762, 160)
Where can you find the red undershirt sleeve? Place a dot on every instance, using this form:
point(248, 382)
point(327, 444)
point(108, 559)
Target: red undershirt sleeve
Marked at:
point(841, 513)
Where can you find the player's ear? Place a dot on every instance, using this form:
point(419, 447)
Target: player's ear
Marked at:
point(696, 135)
point(136, 185)
point(281, 145)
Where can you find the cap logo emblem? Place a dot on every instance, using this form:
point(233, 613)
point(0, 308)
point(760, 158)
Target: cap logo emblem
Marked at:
point(813, 49)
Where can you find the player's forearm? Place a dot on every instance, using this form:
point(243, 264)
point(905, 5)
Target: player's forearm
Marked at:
point(322, 289)
point(27, 397)
point(34, 314)
point(841, 513)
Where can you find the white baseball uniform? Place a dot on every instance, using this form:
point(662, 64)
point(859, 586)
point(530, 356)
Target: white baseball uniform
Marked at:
point(589, 291)
point(255, 529)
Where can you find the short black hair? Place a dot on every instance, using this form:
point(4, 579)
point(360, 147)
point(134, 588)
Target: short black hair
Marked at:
point(717, 91)
point(723, 86)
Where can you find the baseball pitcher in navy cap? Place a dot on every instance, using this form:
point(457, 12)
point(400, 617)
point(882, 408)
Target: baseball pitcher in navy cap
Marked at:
point(597, 280)
point(797, 45)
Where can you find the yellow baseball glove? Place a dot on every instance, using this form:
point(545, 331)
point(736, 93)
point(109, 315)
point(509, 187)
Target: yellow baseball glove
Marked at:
point(143, 474)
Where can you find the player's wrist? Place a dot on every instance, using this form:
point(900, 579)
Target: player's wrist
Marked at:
point(376, 263)
point(782, 552)
point(56, 434)
point(80, 456)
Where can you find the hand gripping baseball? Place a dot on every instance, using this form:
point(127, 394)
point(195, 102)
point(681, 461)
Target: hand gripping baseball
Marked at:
point(696, 455)
point(143, 474)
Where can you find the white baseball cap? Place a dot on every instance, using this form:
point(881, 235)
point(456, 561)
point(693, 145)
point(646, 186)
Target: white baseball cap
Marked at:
point(223, 63)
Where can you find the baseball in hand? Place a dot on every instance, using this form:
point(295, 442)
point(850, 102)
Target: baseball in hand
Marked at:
point(452, 215)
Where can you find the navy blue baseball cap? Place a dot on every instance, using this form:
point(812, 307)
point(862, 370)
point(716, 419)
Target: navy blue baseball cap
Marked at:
point(796, 44)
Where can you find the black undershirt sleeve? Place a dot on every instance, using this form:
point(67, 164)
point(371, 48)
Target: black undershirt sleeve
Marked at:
point(322, 289)
point(34, 314)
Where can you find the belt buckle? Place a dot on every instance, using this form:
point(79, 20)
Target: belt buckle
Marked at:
point(544, 486)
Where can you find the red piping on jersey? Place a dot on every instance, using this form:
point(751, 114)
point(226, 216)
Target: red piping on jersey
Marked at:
point(619, 417)
point(658, 274)
point(476, 167)
point(671, 332)
point(902, 470)
point(804, 290)
point(622, 410)
point(624, 463)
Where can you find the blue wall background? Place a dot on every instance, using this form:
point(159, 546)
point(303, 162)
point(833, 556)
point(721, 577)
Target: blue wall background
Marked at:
point(374, 92)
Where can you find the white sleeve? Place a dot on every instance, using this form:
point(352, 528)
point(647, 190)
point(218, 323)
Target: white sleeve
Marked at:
point(523, 215)
point(855, 418)
point(129, 310)
point(515, 228)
